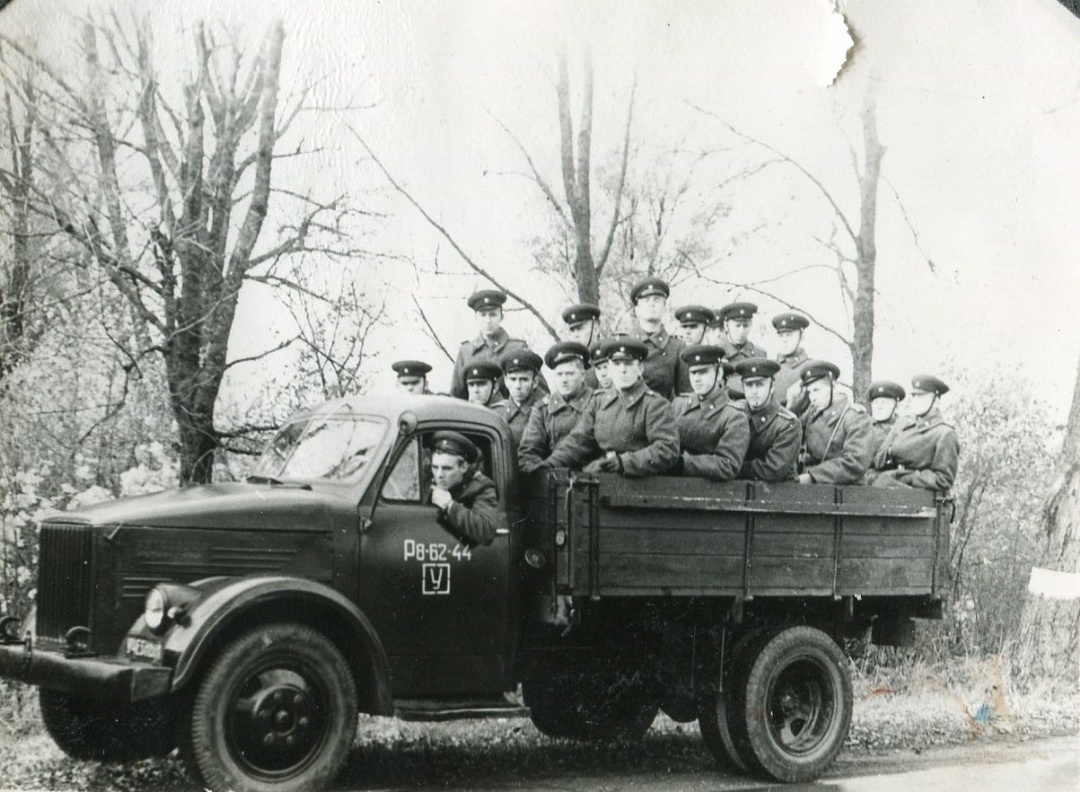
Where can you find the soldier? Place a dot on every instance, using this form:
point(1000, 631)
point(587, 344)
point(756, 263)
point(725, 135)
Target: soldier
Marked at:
point(521, 369)
point(490, 343)
point(792, 359)
point(738, 319)
point(884, 397)
point(467, 501)
point(664, 372)
point(481, 381)
point(583, 326)
point(694, 321)
point(630, 427)
point(836, 433)
point(921, 450)
point(557, 415)
point(775, 431)
point(412, 375)
point(599, 360)
point(713, 431)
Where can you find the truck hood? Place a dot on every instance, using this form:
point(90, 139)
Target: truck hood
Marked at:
point(236, 506)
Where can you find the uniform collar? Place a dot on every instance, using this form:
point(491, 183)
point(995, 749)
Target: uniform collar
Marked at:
point(932, 418)
point(628, 397)
point(575, 402)
point(658, 339)
point(798, 356)
point(765, 413)
point(513, 408)
point(832, 413)
point(499, 340)
point(713, 401)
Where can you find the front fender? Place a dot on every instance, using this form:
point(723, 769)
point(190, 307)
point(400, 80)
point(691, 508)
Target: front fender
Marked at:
point(229, 601)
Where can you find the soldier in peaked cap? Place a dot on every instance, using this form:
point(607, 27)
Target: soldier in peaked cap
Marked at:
point(775, 431)
point(921, 450)
point(599, 362)
point(884, 397)
point(521, 369)
point(628, 429)
point(664, 372)
point(582, 323)
point(792, 359)
point(836, 433)
point(556, 415)
point(694, 321)
point(738, 319)
point(467, 500)
point(491, 342)
point(481, 381)
point(713, 431)
point(412, 375)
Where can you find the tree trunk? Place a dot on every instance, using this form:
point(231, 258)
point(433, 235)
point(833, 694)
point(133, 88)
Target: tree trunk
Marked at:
point(1049, 643)
point(866, 256)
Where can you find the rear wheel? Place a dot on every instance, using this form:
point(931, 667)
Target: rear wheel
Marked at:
point(722, 728)
point(796, 705)
point(276, 712)
point(90, 730)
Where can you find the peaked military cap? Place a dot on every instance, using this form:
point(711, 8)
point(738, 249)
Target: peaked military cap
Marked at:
point(738, 310)
point(482, 370)
point(695, 314)
point(819, 369)
point(648, 287)
point(756, 368)
point(410, 368)
point(930, 384)
point(564, 351)
point(790, 321)
point(702, 354)
point(456, 444)
point(487, 298)
point(886, 388)
point(521, 359)
point(624, 349)
point(582, 312)
point(597, 354)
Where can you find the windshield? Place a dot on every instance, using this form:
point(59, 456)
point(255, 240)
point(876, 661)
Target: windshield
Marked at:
point(322, 447)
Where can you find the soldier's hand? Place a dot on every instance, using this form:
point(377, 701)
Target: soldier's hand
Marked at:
point(440, 497)
point(804, 478)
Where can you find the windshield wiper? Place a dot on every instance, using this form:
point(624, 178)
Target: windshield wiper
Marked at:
point(259, 479)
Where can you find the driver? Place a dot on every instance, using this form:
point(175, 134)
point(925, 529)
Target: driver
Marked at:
point(466, 498)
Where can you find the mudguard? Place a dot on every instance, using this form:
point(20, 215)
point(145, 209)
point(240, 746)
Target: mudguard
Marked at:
point(225, 600)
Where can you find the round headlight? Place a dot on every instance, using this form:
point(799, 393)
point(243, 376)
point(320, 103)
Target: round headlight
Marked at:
point(155, 608)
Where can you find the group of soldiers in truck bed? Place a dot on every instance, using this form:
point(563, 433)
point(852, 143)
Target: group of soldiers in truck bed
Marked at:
point(706, 403)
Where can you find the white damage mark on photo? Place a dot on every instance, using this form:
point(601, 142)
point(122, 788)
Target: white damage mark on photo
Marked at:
point(1053, 584)
point(837, 42)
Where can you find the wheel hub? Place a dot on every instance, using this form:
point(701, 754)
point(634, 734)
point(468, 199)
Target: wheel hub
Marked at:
point(280, 713)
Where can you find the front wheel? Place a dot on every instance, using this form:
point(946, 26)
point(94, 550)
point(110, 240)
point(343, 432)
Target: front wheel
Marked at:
point(276, 712)
point(797, 704)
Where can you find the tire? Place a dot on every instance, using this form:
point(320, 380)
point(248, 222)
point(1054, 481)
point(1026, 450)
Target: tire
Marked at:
point(275, 712)
point(796, 705)
point(89, 730)
point(722, 730)
point(597, 707)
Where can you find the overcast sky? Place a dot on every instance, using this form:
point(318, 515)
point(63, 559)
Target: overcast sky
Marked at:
point(976, 102)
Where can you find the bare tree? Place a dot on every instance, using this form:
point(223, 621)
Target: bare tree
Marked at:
point(1049, 644)
point(170, 200)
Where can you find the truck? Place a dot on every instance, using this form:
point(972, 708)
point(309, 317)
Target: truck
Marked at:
point(249, 623)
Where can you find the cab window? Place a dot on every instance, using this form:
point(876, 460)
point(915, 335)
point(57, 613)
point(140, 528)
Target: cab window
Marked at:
point(409, 480)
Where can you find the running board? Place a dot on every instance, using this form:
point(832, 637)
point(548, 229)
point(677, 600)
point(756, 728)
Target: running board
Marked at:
point(458, 709)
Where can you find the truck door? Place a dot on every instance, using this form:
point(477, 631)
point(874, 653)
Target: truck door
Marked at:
point(440, 605)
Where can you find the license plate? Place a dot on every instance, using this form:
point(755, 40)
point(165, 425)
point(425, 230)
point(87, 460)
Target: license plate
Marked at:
point(142, 649)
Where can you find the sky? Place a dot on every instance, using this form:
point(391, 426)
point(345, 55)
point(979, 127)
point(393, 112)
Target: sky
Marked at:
point(976, 101)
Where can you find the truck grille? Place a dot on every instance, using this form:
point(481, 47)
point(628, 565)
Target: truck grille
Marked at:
point(65, 579)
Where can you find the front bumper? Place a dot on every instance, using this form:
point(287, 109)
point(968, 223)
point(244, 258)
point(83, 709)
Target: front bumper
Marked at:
point(110, 679)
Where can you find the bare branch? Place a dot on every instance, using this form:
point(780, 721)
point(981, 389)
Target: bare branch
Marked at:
point(907, 220)
point(429, 331)
point(605, 251)
point(540, 181)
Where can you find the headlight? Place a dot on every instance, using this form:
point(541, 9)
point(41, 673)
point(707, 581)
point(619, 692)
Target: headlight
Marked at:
point(155, 608)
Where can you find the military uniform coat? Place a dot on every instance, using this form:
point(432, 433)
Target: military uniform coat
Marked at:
point(713, 434)
point(665, 373)
point(551, 420)
point(789, 375)
point(483, 349)
point(919, 452)
point(775, 442)
point(837, 441)
point(517, 415)
point(879, 430)
point(733, 354)
point(474, 514)
point(636, 423)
